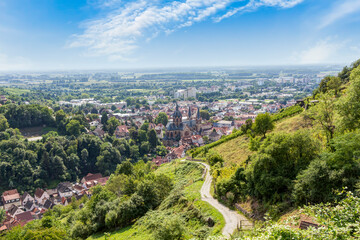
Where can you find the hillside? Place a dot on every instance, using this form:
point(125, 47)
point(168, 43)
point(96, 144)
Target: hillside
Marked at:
point(294, 157)
point(183, 204)
point(236, 151)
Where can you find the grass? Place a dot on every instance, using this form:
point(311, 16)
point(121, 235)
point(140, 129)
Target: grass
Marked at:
point(235, 151)
point(191, 191)
point(124, 233)
point(16, 91)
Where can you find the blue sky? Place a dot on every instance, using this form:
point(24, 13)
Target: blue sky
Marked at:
point(118, 34)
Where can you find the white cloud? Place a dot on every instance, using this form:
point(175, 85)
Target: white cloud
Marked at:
point(118, 34)
point(253, 5)
point(340, 10)
point(324, 51)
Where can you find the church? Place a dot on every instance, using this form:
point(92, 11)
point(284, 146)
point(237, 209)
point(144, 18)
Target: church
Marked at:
point(181, 128)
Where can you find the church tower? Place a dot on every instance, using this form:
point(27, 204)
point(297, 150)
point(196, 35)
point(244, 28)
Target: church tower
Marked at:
point(177, 116)
point(198, 120)
point(189, 114)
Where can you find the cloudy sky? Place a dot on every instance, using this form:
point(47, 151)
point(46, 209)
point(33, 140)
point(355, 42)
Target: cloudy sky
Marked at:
point(118, 34)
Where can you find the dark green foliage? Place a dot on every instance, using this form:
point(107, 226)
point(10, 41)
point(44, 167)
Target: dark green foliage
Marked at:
point(20, 116)
point(332, 171)
point(153, 138)
point(205, 114)
point(277, 163)
point(263, 124)
point(214, 159)
point(162, 118)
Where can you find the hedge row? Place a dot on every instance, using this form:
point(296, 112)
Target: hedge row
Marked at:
point(287, 112)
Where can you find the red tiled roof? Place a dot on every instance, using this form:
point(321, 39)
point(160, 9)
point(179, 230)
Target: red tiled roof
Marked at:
point(24, 218)
point(39, 192)
point(91, 176)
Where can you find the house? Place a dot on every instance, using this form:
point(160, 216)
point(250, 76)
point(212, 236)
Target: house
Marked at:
point(197, 140)
point(90, 177)
point(41, 196)
point(160, 160)
point(179, 152)
point(11, 197)
point(102, 181)
point(24, 218)
point(223, 124)
point(65, 189)
point(14, 210)
point(214, 136)
point(53, 193)
point(29, 206)
point(25, 198)
point(48, 204)
point(122, 132)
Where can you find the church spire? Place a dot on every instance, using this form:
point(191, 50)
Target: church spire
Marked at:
point(189, 113)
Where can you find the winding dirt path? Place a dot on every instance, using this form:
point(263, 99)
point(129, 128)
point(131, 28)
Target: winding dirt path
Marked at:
point(232, 218)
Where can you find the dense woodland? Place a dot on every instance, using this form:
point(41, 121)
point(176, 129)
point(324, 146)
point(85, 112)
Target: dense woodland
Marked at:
point(67, 154)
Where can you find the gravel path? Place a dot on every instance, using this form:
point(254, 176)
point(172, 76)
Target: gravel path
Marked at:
point(232, 218)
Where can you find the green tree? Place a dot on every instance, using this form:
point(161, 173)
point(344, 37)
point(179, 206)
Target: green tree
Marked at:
point(263, 124)
point(3, 123)
point(108, 159)
point(152, 138)
point(274, 167)
point(215, 158)
point(2, 215)
point(324, 114)
point(125, 168)
point(205, 114)
point(74, 128)
point(349, 104)
point(112, 124)
point(162, 118)
point(104, 118)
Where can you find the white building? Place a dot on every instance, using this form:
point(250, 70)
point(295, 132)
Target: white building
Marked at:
point(185, 93)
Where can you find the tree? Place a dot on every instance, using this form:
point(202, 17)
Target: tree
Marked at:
point(278, 161)
point(170, 228)
point(263, 123)
point(162, 118)
point(108, 159)
point(113, 108)
point(205, 114)
point(349, 104)
point(324, 114)
point(215, 158)
point(60, 116)
point(74, 128)
point(153, 138)
point(94, 111)
point(125, 168)
point(3, 123)
point(2, 215)
point(112, 124)
point(104, 118)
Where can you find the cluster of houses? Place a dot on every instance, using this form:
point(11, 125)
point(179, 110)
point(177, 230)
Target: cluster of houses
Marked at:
point(21, 209)
point(186, 128)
